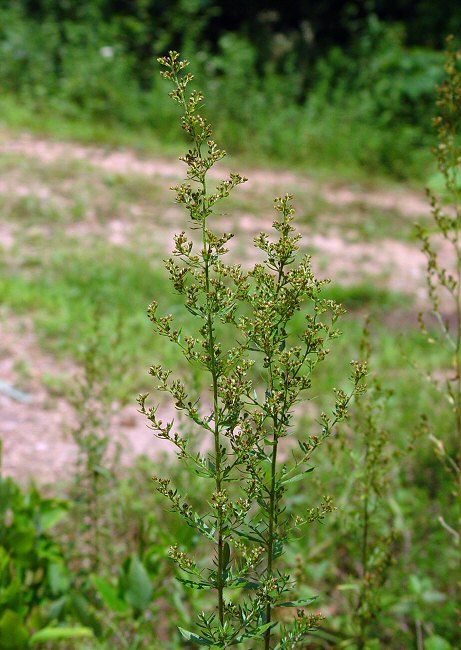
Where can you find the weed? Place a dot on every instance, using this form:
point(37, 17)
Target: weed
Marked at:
point(375, 461)
point(444, 284)
point(257, 374)
point(98, 453)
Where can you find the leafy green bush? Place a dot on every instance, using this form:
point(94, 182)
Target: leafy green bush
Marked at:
point(34, 576)
point(361, 107)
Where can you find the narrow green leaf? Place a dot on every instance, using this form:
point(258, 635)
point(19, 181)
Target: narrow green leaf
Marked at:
point(191, 636)
point(109, 594)
point(57, 633)
point(254, 634)
point(251, 538)
point(84, 612)
point(300, 602)
point(298, 477)
point(193, 584)
point(244, 582)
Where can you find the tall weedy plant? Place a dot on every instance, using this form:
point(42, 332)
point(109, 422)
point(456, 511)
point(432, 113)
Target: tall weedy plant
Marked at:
point(369, 535)
point(94, 477)
point(258, 363)
point(444, 280)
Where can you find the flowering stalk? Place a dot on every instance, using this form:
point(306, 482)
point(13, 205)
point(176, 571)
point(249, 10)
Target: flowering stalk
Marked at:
point(263, 354)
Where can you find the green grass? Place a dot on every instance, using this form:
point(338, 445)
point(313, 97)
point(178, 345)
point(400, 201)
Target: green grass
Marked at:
point(365, 296)
point(62, 290)
point(63, 294)
point(18, 115)
point(319, 155)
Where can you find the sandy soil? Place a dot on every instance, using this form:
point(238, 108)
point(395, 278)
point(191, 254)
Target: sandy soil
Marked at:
point(35, 425)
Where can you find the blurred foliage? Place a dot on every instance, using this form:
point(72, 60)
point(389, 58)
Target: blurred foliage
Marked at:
point(353, 80)
point(34, 576)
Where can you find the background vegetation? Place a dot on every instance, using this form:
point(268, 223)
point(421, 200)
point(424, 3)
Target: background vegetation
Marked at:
point(334, 90)
point(287, 85)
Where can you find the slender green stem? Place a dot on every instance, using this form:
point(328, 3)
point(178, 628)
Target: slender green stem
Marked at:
point(216, 432)
point(457, 360)
point(272, 524)
point(273, 482)
point(214, 374)
point(364, 553)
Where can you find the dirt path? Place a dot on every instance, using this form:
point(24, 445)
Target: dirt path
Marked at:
point(401, 264)
point(127, 162)
point(36, 423)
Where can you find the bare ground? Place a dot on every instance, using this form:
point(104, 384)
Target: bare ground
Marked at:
point(34, 435)
point(36, 432)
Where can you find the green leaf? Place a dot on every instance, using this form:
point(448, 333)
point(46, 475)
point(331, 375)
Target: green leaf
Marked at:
point(251, 538)
point(193, 584)
point(303, 446)
point(138, 586)
point(226, 554)
point(191, 636)
point(4, 559)
point(57, 607)
point(349, 586)
point(13, 633)
point(85, 614)
point(298, 477)
point(254, 634)
point(245, 583)
point(300, 602)
point(59, 578)
point(436, 642)
point(102, 471)
point(50, 518)
point(109, 594)
point(204, 528)
point(22, 540)
point(56, 633)
point(277, 549)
